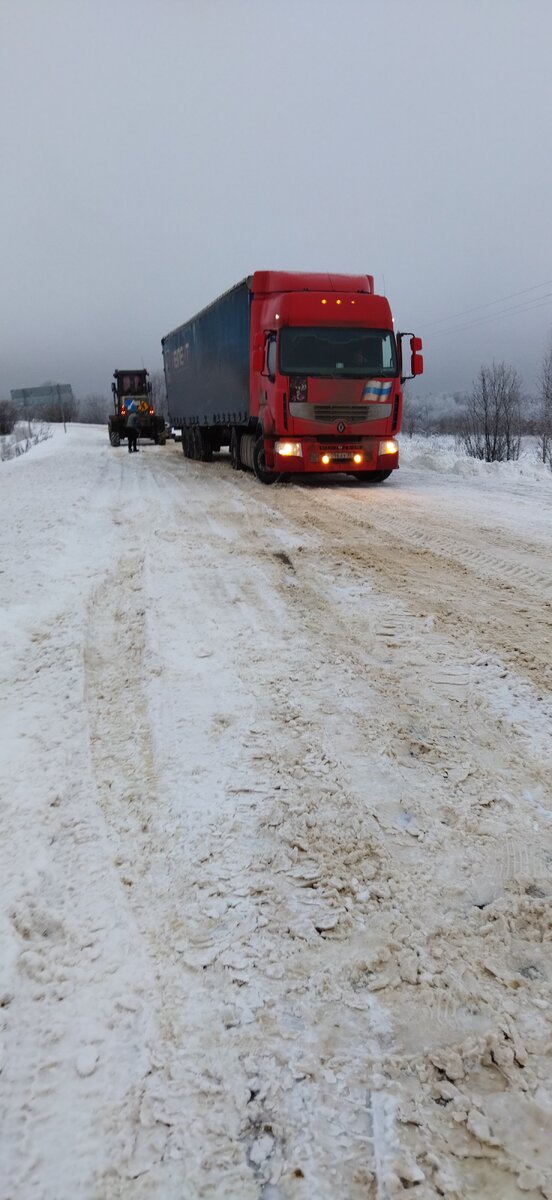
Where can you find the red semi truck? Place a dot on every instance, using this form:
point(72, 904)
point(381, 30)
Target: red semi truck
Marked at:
point(296, 373)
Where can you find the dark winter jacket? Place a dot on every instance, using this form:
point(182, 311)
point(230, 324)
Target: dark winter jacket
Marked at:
point(133, 421)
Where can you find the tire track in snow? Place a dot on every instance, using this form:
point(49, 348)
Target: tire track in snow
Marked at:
point(192, 1107)
point(439, 572)
point(424, 977)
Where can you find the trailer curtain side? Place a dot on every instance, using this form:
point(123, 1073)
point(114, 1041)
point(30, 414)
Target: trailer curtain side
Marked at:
point(207, 363)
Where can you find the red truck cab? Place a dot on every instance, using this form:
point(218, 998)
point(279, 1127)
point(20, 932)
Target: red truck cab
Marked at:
point(326, 377)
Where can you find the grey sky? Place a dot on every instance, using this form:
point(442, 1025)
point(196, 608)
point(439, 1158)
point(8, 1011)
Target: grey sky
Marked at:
point(153, 152)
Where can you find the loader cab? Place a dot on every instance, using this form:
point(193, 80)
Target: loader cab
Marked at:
point(130, 384)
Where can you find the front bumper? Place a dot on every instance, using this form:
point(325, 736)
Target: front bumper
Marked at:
point(321, 456)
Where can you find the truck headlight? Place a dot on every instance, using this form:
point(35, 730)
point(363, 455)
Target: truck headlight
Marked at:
point(289, 449)
point(390, 447)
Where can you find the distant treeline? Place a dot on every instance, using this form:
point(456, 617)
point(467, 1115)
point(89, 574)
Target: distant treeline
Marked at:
point(490, 420)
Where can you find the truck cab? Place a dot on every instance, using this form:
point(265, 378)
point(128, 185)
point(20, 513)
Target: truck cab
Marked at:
point(327, 375)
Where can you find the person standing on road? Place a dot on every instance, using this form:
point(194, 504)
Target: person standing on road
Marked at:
point(133, 426)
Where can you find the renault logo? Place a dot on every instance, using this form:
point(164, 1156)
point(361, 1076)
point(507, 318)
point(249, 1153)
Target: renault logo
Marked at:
point(341, 426)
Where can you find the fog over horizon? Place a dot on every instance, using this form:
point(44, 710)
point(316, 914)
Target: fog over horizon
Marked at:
point(155, 152)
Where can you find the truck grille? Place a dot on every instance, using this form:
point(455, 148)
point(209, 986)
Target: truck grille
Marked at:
point(330, 414)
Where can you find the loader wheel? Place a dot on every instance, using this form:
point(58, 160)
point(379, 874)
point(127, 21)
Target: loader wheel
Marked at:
point(235, 457)
point(259, 463)
point(115, 438)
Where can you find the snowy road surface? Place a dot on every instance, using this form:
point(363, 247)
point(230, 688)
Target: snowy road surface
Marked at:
point(276, 831)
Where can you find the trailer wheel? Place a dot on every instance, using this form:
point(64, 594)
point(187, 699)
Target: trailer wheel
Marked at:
point(197, 444)
point(259, 463)
point(115, 438)
point(235, 457)
point(206, 445)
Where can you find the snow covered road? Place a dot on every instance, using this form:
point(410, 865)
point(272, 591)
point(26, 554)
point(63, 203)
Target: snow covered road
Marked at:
point(277, 831)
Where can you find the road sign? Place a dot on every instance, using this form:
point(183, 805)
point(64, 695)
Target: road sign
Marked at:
point(41, 395)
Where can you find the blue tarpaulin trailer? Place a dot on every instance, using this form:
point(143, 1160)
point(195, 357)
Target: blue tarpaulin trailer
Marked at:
point(206, 363)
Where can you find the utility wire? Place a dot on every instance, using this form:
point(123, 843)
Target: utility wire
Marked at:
point(541, 302)
point(477, 308)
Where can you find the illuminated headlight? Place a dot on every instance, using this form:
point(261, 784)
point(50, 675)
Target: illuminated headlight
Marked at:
point(289, 449)
point(325, 459)
point(357, 458)
point(390, 447)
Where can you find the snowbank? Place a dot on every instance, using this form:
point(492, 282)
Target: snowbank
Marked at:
point(445, 454)
point(13, 445)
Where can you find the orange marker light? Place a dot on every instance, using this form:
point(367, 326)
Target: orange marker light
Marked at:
point(338, 301)
point(324, 302)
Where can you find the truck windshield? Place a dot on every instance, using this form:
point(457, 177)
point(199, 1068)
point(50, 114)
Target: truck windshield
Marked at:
point(326, 351)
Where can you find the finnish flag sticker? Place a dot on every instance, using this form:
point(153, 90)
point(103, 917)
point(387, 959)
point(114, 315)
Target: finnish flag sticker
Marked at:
point(376, 390)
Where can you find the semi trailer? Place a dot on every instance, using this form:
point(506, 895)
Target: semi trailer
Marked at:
point(295, 373)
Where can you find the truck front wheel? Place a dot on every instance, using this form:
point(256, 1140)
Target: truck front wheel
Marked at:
point(259, 463)
point(371, 476)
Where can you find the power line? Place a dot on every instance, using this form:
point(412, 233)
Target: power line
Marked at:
point(541, 302)
point(477, 308)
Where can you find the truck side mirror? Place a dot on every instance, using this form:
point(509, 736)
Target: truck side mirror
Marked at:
point(113, 388)
point(417, 360)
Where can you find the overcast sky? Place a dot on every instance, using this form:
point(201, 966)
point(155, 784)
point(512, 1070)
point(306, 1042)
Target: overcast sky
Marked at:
point(154, 152)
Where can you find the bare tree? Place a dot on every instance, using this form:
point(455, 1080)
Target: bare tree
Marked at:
point(51, 410)
point(8, 417)
point(544, 409)
point(491, 429)
point(416, 416)
point(93, 409)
